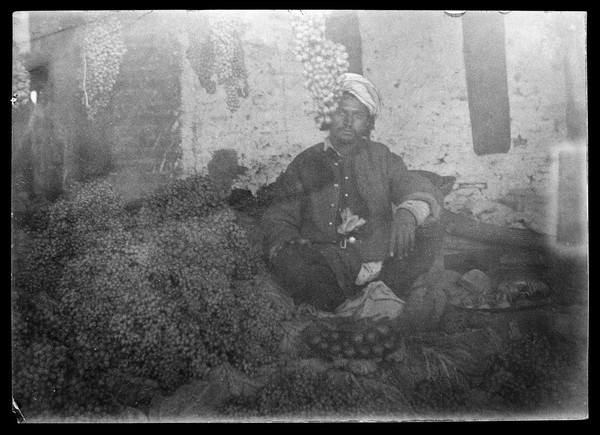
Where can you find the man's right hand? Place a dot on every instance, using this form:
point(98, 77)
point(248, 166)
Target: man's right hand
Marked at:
point(402, 240)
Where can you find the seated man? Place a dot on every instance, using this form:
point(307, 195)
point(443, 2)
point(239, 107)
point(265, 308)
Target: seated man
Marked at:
point(351, 212)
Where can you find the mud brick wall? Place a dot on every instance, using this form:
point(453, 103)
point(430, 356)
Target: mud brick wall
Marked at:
point(144, 122)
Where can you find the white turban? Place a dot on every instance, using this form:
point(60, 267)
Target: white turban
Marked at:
point(362, 89)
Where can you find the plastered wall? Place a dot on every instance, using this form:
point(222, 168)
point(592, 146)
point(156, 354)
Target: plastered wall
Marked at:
point(272, 125)
point(416, 60)
point(421, 73)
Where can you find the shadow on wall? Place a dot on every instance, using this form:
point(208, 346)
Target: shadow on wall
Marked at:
point(224, 168)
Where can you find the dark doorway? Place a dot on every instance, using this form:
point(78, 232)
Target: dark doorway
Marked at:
point(342, 27)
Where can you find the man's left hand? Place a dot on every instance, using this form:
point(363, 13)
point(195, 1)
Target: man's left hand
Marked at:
point(404, 226)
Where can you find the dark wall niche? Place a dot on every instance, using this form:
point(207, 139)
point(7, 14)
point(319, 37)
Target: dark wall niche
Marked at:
point(487, 84)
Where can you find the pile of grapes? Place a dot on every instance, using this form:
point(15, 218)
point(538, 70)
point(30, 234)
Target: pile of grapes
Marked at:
point(304, 393)
point(20, 83)
point(163, 291)
point(324, 64)
point(104, 49)
point(531, 373)
point(219, 60)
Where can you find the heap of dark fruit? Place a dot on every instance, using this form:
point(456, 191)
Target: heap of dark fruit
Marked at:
point(255, 205)
point(205, 221)
point(186, 198)
point(363, 339)
point(306, 393)
point(530, 373)
point(64, 230)
point(165, 293)
point(432, 396)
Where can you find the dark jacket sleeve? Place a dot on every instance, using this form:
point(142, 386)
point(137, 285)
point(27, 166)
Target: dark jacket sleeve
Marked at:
point(281, 221)
point(406, 185)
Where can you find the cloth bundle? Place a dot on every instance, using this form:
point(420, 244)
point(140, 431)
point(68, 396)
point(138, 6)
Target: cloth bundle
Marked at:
point(376, 301)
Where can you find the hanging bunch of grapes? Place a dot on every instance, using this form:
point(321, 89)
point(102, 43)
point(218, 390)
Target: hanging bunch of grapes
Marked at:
point(202, 58)
point(104, 49)
point(229, 67)
point(219, 60)
point(324, 64)
point(20, 83)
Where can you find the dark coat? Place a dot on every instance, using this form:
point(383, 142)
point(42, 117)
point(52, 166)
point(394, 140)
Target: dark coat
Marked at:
point(318, 184)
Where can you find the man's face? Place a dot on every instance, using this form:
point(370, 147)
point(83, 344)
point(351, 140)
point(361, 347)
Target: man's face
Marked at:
point(350, 121)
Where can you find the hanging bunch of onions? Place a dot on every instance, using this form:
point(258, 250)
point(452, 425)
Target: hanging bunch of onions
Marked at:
point(324, 63)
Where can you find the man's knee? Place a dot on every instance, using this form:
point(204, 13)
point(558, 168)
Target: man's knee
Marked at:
point(306, 276)
point(296, 261)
